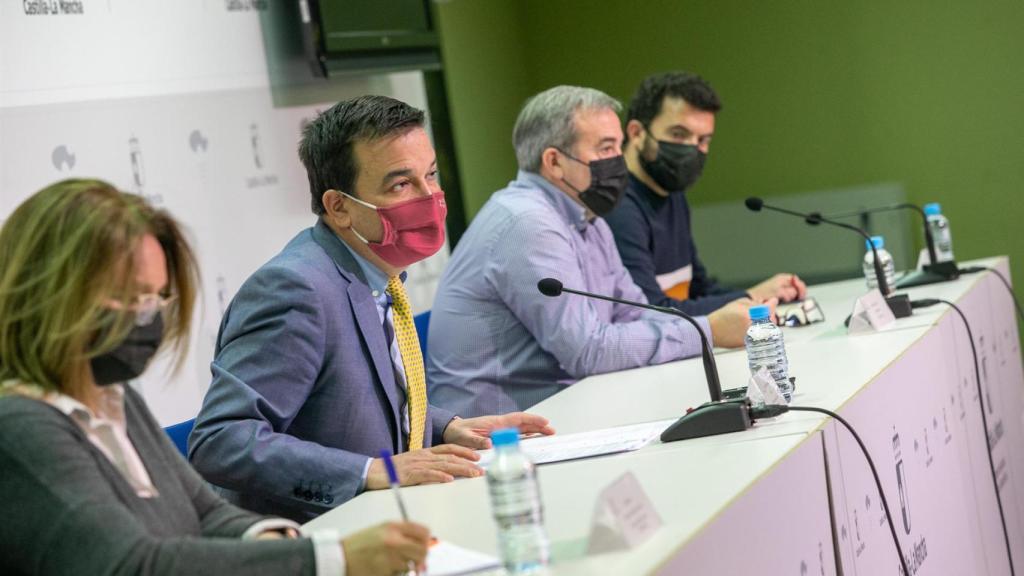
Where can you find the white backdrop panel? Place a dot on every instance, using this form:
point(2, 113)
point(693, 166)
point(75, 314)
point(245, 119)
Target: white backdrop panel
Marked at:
point(793, 535)
point(921, 421)
point(171, 100)
point(126, 48)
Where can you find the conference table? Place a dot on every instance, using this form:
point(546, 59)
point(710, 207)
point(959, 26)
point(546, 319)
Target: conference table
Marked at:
point(792, 495)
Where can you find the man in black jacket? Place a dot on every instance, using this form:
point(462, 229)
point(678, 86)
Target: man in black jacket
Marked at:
point(669, 126)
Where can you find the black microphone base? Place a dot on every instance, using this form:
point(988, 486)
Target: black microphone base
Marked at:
point(709, 420)
point(900, 305)
point(930, 274)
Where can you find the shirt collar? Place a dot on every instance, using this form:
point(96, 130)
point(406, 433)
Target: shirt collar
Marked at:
point(568, 208)
point(375, 278)
point(645, 190)
point(111, 397)
point(639, 184)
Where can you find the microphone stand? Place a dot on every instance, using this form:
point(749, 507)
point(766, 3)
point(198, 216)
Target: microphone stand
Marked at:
point(931, 273)
point(709, 419)
point(898, 303)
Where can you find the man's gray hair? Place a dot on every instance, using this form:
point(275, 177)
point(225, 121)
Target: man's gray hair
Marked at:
point(547, 121)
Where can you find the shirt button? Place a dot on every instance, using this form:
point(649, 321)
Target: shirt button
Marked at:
point(376, 293)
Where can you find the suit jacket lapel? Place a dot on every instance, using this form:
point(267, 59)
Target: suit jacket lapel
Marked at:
point(365, 311)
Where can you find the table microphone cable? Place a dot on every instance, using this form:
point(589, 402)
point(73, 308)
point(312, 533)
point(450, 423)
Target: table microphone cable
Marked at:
point(1005, 281)
point(926, 302)
point(772, 410)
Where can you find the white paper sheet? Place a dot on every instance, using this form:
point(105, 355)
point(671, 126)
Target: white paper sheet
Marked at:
point(560, 447)
point(447, 559)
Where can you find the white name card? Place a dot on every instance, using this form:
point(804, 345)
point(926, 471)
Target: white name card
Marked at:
point(623, 517)
point(870, 314)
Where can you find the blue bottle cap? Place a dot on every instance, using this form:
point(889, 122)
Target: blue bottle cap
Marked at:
point(760, 312)
point(932, 209)
point(505, 437)
point(878, 241)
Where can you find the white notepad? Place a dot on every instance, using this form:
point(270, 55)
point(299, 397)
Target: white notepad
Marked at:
point(561, 447)
point(447, 559)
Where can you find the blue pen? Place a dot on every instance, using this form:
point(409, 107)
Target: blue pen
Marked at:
point(389, 464)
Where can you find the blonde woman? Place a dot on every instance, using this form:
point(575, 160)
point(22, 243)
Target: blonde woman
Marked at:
point(92, 283)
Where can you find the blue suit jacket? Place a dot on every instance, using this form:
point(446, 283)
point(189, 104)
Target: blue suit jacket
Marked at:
point(303, 389)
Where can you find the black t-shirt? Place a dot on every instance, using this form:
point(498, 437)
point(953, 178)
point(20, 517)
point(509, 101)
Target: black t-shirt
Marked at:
point(653, 236)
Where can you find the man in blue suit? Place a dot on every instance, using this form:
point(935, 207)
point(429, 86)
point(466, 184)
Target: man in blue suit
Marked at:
point(317, 366)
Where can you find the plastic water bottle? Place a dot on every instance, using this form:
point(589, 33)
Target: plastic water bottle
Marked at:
point(516, 506)
point(765, 347)
point(888, 266)
point(939, 226)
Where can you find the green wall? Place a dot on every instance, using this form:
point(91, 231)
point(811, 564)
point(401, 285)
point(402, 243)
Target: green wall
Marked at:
point(488, 79)
point(817, 95)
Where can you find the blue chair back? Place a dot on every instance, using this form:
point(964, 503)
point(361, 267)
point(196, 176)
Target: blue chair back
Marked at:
point(422, 322)
point(179, 435)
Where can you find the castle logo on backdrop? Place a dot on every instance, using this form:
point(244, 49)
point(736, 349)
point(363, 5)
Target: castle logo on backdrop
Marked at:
point(53, 7)
point(139, 173)
point(62, 158)
point(222, 294)
point(916, 552)
point(198, 142)
point(256, 144)
point(901, 481)
point(258, 160)
point(246, 5)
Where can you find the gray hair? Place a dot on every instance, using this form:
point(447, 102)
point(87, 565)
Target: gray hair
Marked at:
point(548, 121)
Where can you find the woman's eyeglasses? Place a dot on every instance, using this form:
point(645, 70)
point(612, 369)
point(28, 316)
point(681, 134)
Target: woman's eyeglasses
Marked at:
point(147, 306)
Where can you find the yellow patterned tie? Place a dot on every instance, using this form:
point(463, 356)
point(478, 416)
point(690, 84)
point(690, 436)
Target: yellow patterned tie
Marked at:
point(412, 359)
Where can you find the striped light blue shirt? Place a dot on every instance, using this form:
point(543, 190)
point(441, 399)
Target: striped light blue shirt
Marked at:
point(497, 344)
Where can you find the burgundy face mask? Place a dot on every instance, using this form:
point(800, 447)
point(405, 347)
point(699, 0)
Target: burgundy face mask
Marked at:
point(413, 230)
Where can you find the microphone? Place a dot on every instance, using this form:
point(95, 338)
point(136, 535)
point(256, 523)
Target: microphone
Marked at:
point(755, 204)
point(552, 287)
point(934, 271)
point(715, 417)
point(899, 304)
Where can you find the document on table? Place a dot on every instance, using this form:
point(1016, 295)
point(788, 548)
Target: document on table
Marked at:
point(561, 447)
point(447, 559)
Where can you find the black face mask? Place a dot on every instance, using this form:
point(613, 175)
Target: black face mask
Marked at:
point(607, 183)
point(129, 359)
point(676, 167)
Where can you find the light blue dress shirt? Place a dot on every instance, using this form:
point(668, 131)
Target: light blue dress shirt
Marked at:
point(498, 345)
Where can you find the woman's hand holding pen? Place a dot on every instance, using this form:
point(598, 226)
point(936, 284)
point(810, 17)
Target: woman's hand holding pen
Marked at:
point(388, 548)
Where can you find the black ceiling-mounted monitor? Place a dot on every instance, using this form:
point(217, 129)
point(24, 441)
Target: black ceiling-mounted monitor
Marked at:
point(355, 36)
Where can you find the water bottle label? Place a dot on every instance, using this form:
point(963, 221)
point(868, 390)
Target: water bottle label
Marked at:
point(515, 497)
point(766, 349)
point(516, 505)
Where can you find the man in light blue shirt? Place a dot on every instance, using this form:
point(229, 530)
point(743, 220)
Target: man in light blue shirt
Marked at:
point(496, 343)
